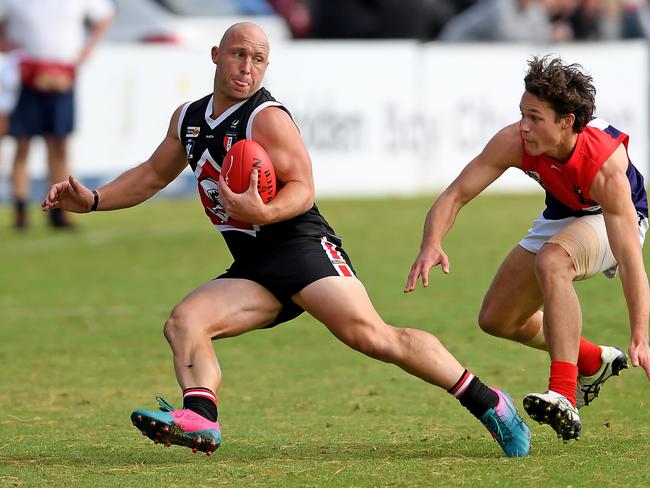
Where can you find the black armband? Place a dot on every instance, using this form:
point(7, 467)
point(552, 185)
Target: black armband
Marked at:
point(95, 201)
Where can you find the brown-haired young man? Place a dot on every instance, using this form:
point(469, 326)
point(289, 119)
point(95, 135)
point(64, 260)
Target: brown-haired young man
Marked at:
point(595, 221)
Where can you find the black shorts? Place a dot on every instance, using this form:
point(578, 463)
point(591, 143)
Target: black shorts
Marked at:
point(286, 268)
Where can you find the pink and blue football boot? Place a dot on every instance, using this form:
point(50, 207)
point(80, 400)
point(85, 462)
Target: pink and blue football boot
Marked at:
point(507, 427)
point(180, 427)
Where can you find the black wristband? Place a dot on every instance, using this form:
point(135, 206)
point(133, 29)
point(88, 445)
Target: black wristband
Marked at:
point(95, 201)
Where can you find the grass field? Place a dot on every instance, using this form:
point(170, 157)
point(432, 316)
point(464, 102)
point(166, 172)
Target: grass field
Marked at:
point(81, 346)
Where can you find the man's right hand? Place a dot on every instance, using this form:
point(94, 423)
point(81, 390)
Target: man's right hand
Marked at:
point(68, 195)
point(424, 262)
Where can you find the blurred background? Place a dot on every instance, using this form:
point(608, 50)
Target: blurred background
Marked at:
point(393, 97)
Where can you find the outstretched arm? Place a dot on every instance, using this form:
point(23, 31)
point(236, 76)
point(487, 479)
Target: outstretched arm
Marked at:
point(131, 187)
point(503, 150)
point(611, 189)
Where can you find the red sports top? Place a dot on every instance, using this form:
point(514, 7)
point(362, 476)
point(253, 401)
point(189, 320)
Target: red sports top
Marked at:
point(570, 182)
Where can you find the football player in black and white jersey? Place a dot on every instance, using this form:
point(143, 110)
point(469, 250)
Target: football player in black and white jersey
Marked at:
point(287, 259)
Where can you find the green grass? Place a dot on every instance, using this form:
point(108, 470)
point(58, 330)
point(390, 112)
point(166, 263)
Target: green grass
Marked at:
point(81, 346)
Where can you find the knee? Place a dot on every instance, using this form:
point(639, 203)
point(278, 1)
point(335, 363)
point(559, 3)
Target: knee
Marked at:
point(553, 263)
point(369, 339)
point(180, 324)
point(488, 320)
point(498, 321)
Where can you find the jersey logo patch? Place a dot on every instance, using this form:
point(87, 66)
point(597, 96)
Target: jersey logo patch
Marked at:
point(189, 145)
point(227, 142)
point(584, 201)
point(211, 189)
point(192, 131)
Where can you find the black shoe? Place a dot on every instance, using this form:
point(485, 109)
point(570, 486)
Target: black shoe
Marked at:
point(555, 410)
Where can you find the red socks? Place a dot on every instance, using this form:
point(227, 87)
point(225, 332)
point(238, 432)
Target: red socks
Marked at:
point(564, 375)
point(589, 360)
point(564, 380)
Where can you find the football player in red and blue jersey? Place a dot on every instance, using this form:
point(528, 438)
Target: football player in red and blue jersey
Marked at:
point(595, 221)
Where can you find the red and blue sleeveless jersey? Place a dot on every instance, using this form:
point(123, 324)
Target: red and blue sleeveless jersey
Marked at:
point(567, 184)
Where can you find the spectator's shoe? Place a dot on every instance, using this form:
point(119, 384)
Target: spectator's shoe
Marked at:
point(20, 218)
point(555, 410)
point(614, 360)
point(507, 427)
point(59, 219)
point(179, 427)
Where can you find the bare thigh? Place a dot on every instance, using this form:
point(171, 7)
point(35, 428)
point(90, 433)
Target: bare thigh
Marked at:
point(342, 304)
point(228, 307)
point(514, 295)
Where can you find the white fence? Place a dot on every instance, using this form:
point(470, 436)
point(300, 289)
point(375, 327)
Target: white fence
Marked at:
point(378, 117)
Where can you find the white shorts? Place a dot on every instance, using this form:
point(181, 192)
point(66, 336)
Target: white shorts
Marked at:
point(583, 238)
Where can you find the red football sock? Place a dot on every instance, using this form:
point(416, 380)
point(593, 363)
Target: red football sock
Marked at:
point(589, 360)
point(564, 380)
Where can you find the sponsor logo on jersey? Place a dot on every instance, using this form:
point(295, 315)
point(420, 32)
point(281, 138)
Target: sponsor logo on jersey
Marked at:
point(192, 131)
point(234, 124)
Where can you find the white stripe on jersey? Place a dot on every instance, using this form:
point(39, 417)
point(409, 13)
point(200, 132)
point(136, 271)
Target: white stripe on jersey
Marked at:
point(206, 156)
point(181, 116)
point(215, 122)
point(249, 126)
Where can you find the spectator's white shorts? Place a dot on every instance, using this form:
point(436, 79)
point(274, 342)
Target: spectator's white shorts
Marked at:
point(583, 238)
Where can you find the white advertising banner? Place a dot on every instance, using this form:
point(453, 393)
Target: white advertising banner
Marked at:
point(378, 117)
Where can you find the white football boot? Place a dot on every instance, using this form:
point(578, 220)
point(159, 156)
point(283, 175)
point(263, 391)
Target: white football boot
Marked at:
point(614, 360)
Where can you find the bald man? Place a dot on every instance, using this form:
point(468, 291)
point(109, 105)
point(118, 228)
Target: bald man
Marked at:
point(287, 258)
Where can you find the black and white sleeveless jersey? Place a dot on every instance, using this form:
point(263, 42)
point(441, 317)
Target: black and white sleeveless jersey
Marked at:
point(206, 141)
